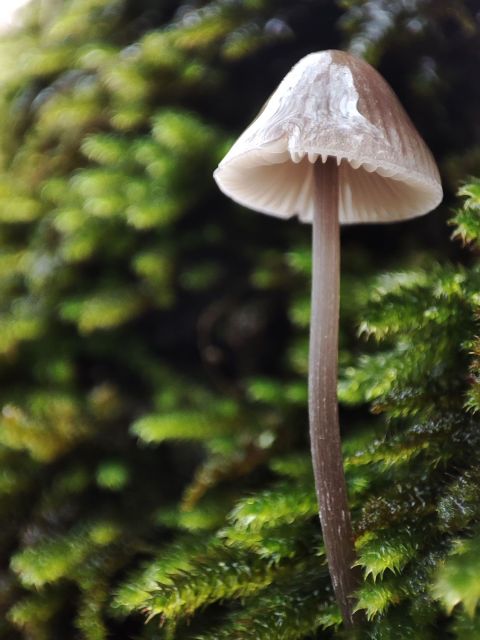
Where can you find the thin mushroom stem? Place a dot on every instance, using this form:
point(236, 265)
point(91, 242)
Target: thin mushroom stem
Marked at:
point(323, 405)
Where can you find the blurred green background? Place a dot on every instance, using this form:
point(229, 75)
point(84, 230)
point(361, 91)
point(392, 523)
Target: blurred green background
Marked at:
point(153, 335)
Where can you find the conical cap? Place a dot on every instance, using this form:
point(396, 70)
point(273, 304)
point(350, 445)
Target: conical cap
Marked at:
point(333, 104)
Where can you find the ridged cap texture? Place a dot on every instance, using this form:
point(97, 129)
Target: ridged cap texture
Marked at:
point(333, 104)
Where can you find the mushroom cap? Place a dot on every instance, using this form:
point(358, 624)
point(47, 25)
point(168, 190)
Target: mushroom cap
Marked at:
point(332, 104)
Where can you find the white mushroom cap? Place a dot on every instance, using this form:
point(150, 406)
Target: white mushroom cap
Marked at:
point(333, 104)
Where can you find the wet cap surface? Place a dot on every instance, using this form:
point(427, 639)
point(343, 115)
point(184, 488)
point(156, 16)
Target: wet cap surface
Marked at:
point(333, 104)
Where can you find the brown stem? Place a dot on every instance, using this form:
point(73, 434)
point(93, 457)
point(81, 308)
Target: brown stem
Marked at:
point(323, 406)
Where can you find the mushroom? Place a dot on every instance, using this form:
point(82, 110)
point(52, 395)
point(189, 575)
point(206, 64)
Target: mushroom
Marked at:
point(332, 145)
